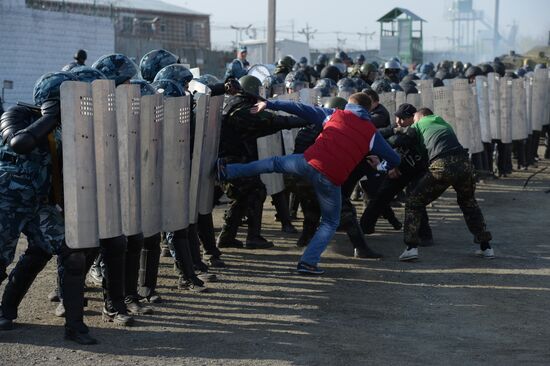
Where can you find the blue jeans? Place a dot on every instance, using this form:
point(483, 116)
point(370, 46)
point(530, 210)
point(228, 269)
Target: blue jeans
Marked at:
point(329, 196)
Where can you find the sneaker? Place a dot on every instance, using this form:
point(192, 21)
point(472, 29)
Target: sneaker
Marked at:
point(289, 229)
point(60, 310)
point(95, 275)
point(305, 268)
point(409, 255)
point(53, 296)
point(488, 253)
point(78, 337)
point(221, 174)
point(117, 318)
point(136, 308)
point(235, 243)
point(191, 286)
point(154, 298)
point(366, 253)
point(204, 276)
point(258, 243)
point(216, 262)
point(5, 324)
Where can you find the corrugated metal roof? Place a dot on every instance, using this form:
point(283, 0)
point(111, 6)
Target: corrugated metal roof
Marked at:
point(395, 12)
point(151, 5)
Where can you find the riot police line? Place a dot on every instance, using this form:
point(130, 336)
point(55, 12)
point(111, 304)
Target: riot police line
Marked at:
point(138, 155)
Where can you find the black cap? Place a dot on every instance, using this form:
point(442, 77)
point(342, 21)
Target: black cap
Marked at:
point(405, 110)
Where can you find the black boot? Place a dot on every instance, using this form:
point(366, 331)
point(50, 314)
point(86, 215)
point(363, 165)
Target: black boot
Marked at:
point(72, 284)
point(133, 254)
point(280, 202)
point(357, 238)
point(232, 220)
point(114, 256)
point(254, 239)
point(184, 262)
point(19, 281)
point(205, 228)
point(149, 267)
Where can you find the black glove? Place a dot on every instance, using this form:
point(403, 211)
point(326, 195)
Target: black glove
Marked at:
point(25, 140)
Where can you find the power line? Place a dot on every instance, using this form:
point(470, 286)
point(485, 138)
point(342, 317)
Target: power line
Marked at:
point(308, 33)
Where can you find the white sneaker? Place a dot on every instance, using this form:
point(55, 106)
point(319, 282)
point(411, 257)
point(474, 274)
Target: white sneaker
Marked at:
point(409, 255)
point(488, 253)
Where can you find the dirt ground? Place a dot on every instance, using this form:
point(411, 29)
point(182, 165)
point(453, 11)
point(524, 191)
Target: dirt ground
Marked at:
point(449, 308)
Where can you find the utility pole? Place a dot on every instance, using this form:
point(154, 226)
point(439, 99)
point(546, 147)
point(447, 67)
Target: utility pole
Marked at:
point(366, 35)
point(292, 26)
point(239, 33)
point(271, 20)
point(495, 30)
point(308, 33)
point(339, 41)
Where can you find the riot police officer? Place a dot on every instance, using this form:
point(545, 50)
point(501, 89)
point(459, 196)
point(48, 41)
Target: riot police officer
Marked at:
point(79, 60)
point(239, 132)
point(29, 171)
point(239, 66)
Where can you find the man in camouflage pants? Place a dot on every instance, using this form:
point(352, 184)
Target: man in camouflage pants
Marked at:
point(449, 166)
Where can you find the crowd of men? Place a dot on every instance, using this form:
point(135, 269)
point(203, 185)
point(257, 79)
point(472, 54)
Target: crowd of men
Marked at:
point(350, 144)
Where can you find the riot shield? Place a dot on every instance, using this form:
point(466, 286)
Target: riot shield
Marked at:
point(506, 110)
point(477, 143)
point(201, 120)
point(519, 113)
point(305, 96)
point(128, 100)
point(79, 175)
point(529, 103)
point(151, 121)
point(462, 99)
point(482, 91)
point(425, 89)
point(539, 102)
point(210, 154)
point(310, 96)
point(176, 163)
point(493, 85)
point(269, 146)
point(106, 154)
point(400, 98)
point(198, 87)
point(415, 100)
point(388, 101)
point(443, 104)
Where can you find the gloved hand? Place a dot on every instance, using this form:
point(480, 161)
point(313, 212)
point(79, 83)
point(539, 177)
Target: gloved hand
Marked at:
point(232, 86)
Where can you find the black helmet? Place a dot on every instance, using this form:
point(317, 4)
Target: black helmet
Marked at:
point(409, 88)
point(80, 55)
point(208, 79)
point(359, 59)
point(250, 84)
point(322, 59)
point(395, 87)
point(437, 82)
point(144, 87)
point(366, 69)
point(177, 73)
point(116, 67)
point(87, 74)
point(287, 61)
point(346, 84)
point(472, 72)
point(47, 86)
point(154, 61)
point(168, 88)
point(303, 61)
point(392, 65)
point(360, 84)
point(381, 86)
point(511, 74)
point(296, 80)
point(330, 72)
point(327, 87)
point(341, 55)
point(499, 68)
point(336, 103)
point(486, 69)
point(442, 74)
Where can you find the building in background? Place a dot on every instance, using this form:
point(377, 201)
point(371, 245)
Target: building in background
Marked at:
point(257, 50)
point(401, 36)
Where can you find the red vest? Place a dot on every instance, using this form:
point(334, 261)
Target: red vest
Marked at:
point(344, 141)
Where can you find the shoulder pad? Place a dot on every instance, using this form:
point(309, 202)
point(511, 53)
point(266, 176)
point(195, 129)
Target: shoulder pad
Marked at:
point(15, 119)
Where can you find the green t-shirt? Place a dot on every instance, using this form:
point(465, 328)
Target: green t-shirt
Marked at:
point(437, 136)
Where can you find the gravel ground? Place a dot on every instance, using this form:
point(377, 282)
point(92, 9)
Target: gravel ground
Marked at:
point(449, 308)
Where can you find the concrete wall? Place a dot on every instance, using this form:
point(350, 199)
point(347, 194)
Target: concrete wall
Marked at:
point(34, 42)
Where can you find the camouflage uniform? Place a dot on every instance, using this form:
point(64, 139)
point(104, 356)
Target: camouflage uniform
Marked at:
point(453, 170)
point(25, 182)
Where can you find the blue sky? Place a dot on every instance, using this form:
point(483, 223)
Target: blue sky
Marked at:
point(353, 16)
